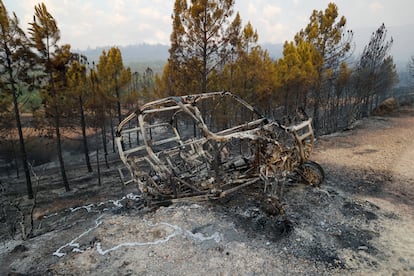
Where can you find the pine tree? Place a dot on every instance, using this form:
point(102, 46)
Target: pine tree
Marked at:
point(114, 78)
point(17, 61)
point(199, 42)
point(117, 76)
point(327, 32)
point(297, 72)
point(45, 35)
point(344, 97)
point(174, 71)
point(249, 71)
point(375, 70)
point(77, 85)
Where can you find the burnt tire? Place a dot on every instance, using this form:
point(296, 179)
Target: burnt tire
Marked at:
point(311, 173)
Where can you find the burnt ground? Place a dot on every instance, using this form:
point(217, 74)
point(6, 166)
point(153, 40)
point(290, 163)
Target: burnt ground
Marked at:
point(361, 221)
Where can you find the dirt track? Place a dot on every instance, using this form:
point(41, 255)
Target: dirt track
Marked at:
point(377, 158)
point(361, 221)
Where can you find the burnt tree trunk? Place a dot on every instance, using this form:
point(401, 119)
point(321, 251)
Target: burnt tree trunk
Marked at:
point(84, 137)
point(23, 153)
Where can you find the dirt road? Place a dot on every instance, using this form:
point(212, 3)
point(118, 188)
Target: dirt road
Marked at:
point(377, 158)
point(360, 222)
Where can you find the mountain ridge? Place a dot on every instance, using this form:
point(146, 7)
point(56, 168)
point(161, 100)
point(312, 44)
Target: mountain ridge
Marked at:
point(142, 55)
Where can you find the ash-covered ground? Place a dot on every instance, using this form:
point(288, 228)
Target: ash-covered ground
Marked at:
point(360, 221)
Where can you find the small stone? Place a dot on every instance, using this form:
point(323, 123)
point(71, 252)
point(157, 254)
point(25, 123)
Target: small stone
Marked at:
point(20, 248)
point(362, 247)
point(402, 260)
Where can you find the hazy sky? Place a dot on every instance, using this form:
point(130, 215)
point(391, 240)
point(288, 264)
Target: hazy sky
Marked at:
point(91, 23)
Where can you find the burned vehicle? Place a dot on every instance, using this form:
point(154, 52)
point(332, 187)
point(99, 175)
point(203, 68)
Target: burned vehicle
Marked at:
point(206, 146)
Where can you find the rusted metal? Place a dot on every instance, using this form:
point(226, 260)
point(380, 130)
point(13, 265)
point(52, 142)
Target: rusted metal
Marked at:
point(210, 145)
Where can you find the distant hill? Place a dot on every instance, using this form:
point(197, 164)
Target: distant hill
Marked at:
point(141, 56)
point(132, 53)
point(138, 57)
point(275, 50)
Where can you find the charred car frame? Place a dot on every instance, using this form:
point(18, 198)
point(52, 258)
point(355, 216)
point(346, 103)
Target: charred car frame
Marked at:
point(209, 145)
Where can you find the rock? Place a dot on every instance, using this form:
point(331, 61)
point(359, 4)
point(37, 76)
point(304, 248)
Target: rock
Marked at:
point(386, 107)
point(20, 248)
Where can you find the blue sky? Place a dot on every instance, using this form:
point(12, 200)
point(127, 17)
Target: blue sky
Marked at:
point(91, 23)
